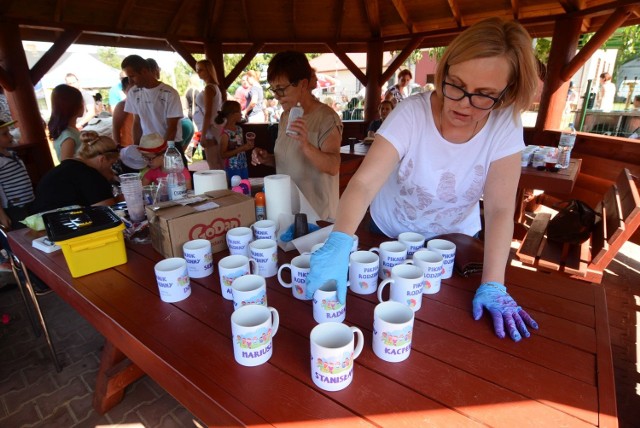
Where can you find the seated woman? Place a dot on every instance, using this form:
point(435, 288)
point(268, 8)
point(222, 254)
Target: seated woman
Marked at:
point(384, 109)
point(82, 180)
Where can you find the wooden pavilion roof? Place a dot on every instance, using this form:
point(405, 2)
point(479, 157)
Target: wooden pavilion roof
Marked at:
point(278, 24)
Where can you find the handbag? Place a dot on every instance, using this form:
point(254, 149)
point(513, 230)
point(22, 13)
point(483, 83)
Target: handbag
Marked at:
point(469, 253)
point(573, 223)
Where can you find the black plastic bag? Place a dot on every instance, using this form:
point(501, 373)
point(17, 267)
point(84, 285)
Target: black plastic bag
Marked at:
point(573, 223)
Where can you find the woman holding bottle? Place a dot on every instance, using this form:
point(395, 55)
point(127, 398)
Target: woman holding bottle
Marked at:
point(310, 154)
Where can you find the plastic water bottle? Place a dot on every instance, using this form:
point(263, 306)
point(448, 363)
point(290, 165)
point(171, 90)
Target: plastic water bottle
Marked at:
point(295, 113)
point(173, 166)
point(567, 141)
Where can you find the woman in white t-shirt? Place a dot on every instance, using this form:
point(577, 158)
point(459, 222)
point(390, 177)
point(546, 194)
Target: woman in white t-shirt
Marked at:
point(208, 103)
point(438, 153)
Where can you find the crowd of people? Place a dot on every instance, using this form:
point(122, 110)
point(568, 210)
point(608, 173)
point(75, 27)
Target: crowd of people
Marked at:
point(434, 154)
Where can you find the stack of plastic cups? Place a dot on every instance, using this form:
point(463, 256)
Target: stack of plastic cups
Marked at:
point(131, 187)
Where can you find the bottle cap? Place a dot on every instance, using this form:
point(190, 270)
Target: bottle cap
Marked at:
point(260, 198)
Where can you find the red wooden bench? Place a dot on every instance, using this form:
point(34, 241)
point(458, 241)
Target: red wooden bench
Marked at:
point(620, 213)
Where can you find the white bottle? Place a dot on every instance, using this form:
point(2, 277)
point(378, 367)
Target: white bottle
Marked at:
point(567, 141)
point(173, 166)
point(295, 113)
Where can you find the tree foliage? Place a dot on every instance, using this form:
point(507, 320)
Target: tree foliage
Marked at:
point(109, 55)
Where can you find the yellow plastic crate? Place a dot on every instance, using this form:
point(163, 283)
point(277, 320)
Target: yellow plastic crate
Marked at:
point(94, 252)
point(91, 238)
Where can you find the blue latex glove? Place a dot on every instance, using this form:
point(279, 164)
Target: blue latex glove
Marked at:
point(331, 262)
point(287, 235)
point(503, 310)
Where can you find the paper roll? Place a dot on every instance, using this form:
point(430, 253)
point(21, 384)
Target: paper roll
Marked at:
point(207, 181)
point(277, 192)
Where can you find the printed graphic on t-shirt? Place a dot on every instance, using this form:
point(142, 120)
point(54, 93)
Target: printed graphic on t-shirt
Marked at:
point(447, 207)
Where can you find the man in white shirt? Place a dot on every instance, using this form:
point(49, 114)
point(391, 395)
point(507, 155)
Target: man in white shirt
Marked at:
point(156, 106)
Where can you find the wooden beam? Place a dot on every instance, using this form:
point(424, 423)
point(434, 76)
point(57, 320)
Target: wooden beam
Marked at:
point(246, 59)
point(351, 66)
point(373, 16)
point(6, 80)
point(294, 22)
point(247, 24)
point(212, 18)
point(571, 5)
point(57, 14)
point(213, 52)
point(455, 12)
point(515, 9)
point(54, 53)
point(404, 14)
point(400, 58)
point(615, 20)
point(374, 71)
point(182, 51)
point(125, 12)
point(177, 17)
point(338, 17)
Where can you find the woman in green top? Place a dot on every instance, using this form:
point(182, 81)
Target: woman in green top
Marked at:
point(67, 105)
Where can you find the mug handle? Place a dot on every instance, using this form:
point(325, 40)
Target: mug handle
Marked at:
point(253, 267)
point(280, 280)
point(375, 250)
point(275, 322)
point(381, 286)
point(359, 341)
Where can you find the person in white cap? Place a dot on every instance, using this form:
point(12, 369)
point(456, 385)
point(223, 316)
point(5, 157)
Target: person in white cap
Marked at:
point(152, 148)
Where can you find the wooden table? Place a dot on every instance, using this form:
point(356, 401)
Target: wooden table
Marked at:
point(531, 178)
point(458, 373)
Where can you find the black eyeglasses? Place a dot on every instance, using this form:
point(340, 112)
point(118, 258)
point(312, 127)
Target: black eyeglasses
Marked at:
point(479, 101)
point(280, 91)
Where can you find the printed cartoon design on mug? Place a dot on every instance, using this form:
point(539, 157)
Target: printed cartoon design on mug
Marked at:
point(299, 289)
point(364, 285)
point(412, 303)
point(396, 338)
point(254, 339)
point(334, 365)
point(228, 279)
point(183, 280)
point(331, 305)
point(274, 257)
point(257, 299)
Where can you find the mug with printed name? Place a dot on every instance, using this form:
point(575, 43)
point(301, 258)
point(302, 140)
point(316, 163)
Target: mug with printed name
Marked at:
point(333, 351)
point(238, 240)
point(252, 331)
point(265, 254)
point(414, 241)
point(299, 268)
point(406, 285)
point(391, 253)
point(447, 250)
point(173, 279)
point(265, 229)
point(431, 264)
point(199, 258)
point(232, 267)
point(249, 290)
point(392, 331)
point(363, 272)
point(326, 306)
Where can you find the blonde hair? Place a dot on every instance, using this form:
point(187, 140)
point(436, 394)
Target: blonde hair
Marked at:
point(94, 145)
point(208, 65)
point(494, 37)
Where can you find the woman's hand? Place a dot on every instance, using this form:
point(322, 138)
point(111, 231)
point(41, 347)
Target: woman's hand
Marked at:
point(5, 221)
point(503, 309)
point(260, 156)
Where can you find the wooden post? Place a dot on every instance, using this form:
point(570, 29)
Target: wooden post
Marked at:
point(213, 52)
point(374, 71)
point(23, 98)
point(554, 92)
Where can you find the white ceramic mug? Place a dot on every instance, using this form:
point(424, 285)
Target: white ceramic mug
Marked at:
point(252, 330)
point(447, 250)
point(356, 241)
point(333, 350)
point(265, 229)
point(265, 254)
point(299, 268)
point(326, 306)
point(431, 264)
point(249, 290)
point(406, 285)
point(232, 267)
point(391, 253)
point(363, 272)
point(414, 241)
point(238, 240)
point(173, 279)
point(199, 258)
point(392, 331)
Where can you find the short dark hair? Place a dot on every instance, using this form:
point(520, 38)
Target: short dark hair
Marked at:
point(292, 64)
point(636, 98)
point(153, 64)
point(407, 72)
point(136, 62)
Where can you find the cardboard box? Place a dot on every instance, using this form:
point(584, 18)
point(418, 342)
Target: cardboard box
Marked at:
point(210, 217)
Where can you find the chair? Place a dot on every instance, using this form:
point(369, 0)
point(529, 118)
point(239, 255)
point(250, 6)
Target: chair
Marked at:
point(620, 214)
point(21, 275)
